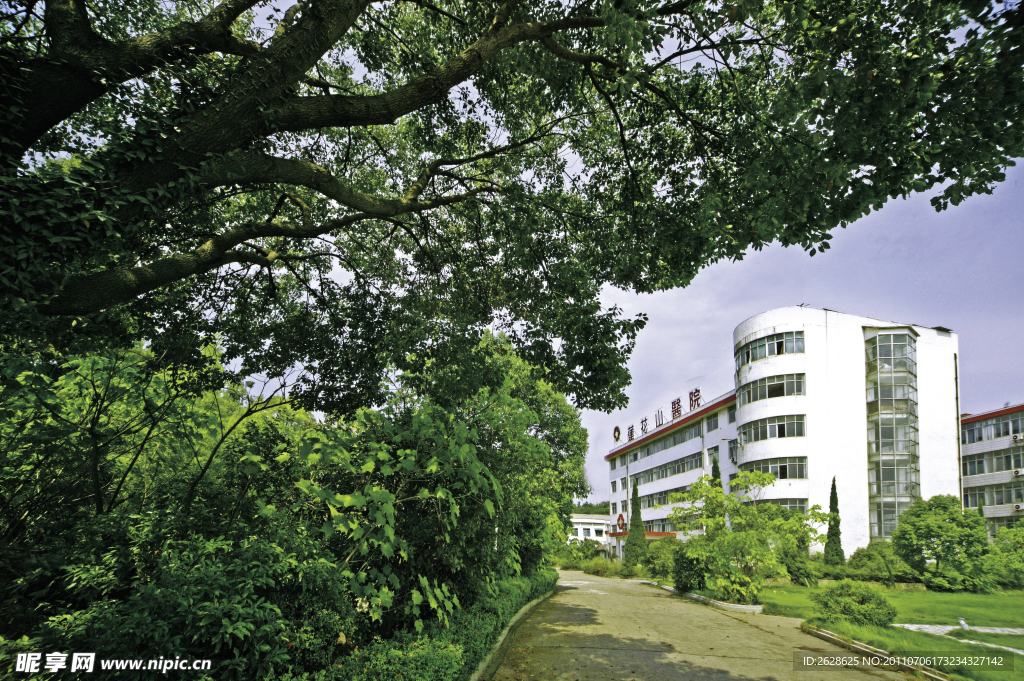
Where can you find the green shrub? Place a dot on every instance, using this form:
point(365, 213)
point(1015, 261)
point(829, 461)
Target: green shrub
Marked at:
point(444, 654)
point(798, 566)
point(688, 573)
point(252, 604)
point(854, 602)
point(660, 557)
point(877, 562)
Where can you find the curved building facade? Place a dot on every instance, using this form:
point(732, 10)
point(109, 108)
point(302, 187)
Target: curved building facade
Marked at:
point(820, 394)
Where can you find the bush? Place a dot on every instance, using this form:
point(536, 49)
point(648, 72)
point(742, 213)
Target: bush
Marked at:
point(798, 566)
point(253, 605)
point(660, 556)
point(854, 602)
point(877, 562)
point(688, 573)
point(444, 654)
point(1006, 560)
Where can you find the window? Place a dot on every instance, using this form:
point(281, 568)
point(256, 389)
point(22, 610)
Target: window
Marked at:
point(993, 462)
point(712, 422)
point(775, 426)
point(622, 484)
point(777, 344)
point(661, 444)
point(660, 498)
point(613, 463)
point(990, 429)
point(732, 413)
point(658, 526)
point(613, 487)
point(782, 469)
point(586, 531)
point(994, 495)
point(598, 533)
point(791, 504)
point(665, 470)
point(773, 386)
point(996, 524)
point(713, 453)
point(615, 508)
point(575, 532)
point(734, 450)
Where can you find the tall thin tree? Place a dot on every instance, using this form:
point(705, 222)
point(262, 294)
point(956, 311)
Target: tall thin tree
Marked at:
point(833, 545)
point(636, 540)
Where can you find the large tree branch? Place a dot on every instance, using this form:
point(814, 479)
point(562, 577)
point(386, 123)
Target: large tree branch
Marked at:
point(306, 113)
point(90, 292)
point(81, 65)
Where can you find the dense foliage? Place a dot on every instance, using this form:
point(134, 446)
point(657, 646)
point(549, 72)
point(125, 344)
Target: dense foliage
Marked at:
point(956, 541)
point(339, 188)
point(600, 508)
point(854, 602)
point(738, 543)
point(138, 520)
point(659, 560)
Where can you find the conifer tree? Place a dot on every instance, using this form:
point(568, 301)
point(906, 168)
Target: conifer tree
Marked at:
point(716, 472)
point(833, 545)
point(636, 540)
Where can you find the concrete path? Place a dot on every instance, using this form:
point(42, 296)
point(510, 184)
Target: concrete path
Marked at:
point(596, 629)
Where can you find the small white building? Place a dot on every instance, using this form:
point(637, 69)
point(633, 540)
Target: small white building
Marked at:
point(592, 527)
point(992, 464)
point(819, 394)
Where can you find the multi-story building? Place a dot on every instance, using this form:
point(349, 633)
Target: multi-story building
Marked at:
point(992, 464)
point(819, 395)
point(592, 527)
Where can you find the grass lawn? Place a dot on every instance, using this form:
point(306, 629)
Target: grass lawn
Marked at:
point(903, 642)
point(1011, 640)
point(915, 607)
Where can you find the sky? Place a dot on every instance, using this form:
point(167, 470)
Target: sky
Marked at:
point(962, 268)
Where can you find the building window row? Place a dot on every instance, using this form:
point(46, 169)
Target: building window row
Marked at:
point(687, 463)
point(791, 467)
point(993, 462)
point(658, 526)
point(660, 498)
point(996, 524)
point(891, 353)
point(791, 504)
point(776, 344)
point(661, 444)
point(990, 429)
point(773, 386)
point(586, 532)
point(774, 426)
point(994, 495)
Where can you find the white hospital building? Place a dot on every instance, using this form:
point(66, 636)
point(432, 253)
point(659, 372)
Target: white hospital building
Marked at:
point(819, 394)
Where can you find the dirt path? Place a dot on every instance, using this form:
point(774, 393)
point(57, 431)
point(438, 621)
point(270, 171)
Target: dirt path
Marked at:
point(596, 629)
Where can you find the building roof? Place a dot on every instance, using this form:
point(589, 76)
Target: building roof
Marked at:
point(675, 424)
point(971, 418)
point(589, 518)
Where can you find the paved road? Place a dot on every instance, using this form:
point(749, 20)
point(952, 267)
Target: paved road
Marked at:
point(596, 629)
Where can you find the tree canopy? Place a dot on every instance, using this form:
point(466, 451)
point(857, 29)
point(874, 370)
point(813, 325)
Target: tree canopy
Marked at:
point(392, 178)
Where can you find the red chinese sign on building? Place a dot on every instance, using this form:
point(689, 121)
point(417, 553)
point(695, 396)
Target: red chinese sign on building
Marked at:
point(694, 398)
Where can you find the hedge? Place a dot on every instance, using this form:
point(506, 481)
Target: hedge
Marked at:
point(441, 654)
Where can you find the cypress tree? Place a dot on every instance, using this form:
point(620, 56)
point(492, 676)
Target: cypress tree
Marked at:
point(636, 540)
point(833, 545)
point(716, 472)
